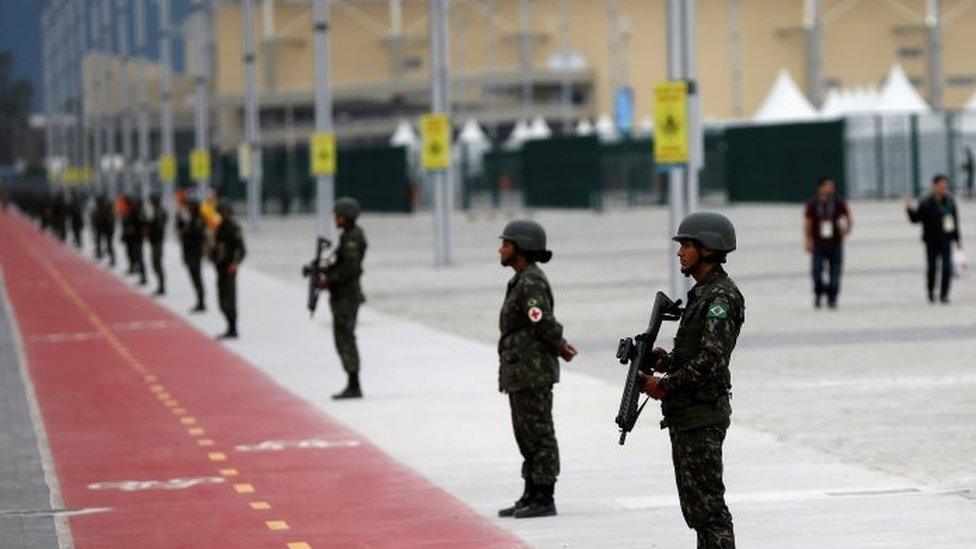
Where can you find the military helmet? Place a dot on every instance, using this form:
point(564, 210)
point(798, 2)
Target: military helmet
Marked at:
point(710, 229)
point(347, 207)
point(528, 235)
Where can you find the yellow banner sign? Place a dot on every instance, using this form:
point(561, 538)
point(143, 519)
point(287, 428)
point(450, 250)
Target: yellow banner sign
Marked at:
point(323, 154)
point(671, 123)
point(200, 165)
point(435, 132)
point(167, 168)
point(244, 161)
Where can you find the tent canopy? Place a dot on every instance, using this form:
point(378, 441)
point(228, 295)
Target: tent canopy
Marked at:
point(785, 102)
point(899, 96)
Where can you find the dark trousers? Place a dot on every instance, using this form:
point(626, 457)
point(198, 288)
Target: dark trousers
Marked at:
point(104, 243)
point(227, 296)
point(156, 249)
point(535, 434)
point(345, 310)
point(193, 266)
point(137, 264)
point(833, 256)
point(938, 253)
point(697, 457)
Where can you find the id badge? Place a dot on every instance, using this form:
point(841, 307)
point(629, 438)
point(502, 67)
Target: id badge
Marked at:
point(826, 230)
point(948, 223)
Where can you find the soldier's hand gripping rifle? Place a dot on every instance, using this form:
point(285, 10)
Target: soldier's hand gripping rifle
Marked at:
point(634, 351)
point(313, 272)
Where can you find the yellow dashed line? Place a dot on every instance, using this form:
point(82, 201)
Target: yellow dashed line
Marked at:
point(260, 505)
point(157, 389)
point(171, 403)
point(244, 488)
point(188, 420)
point(195, 431)
point(178, 411)
point(217, 456)
point(277, 525)
point(228, 472)
point(299, 545)
point(151, 379)
point(205, 442)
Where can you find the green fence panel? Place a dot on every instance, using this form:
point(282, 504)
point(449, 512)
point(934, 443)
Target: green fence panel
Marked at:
point(779, 163)
point(563, 172)
point(377, 177)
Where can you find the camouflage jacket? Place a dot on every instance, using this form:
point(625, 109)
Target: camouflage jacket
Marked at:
point(531, 338)
point(698, 381)
point(228, 245)
point(344, 273)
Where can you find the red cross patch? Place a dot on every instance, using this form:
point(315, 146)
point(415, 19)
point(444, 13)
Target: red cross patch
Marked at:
point(535, 314)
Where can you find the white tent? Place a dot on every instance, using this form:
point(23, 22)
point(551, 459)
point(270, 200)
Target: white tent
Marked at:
point(833, 104)
point(784, 102)
point(519, 135)
point(899, 96)
point(538, 129)
point(404, 136)
point(583, 127)
point(472, 134)
point(605, 128)
point(646, 126)
point(971, 104)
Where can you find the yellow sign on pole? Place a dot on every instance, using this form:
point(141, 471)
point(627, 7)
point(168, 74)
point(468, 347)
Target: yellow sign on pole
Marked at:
point(323, 154)
point(200, 164)
point(244, 161)
point(671, 123)
point(167, 168)
point(435, 132)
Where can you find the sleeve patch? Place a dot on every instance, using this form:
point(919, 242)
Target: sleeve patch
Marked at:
point(718, 309)
point(535, 314)
point(532, 302)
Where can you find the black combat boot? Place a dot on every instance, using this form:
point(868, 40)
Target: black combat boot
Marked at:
point(231, 332)
point(541, 505)
point(520, 502)
point(352, 389)
point(200, 308)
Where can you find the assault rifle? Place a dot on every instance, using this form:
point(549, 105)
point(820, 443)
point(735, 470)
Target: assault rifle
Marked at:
point(313, 272)
point(634, 350)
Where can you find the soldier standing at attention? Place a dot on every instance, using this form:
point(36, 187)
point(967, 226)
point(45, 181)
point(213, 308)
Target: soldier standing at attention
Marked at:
point(939, 217)
point(694, 391)
point(193, 235)
point(103, 222)
point(228, 253)
point(341, 278)
point(529, 348)
point(156, 232)
point(133, 233)
point(76, 213)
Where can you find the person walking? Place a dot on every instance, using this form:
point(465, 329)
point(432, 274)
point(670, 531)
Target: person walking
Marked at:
point(827, 222)
point(939, 217)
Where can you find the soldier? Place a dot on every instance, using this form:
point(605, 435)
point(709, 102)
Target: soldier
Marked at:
point(193, 235)
point(133, 234)
point(341, 278)
point(939, 217)
point(694, 391)
point(228, 252)
point(76, 214)
point(529, 348)
point(59, 216)
point(156, 232)
point(103, 221)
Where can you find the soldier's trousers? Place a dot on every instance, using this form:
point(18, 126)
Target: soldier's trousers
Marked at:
point(156, 249)
point(345, 309)
point(227, 295)
point(535, 434)
point(105, 244)
point(697, 457)
point(193, 266)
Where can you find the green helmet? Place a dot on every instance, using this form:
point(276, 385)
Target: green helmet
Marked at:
point(710, 229)
point(528, 235)
point(347, 207)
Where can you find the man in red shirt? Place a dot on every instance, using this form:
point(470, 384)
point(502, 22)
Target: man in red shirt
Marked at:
point(827, 222)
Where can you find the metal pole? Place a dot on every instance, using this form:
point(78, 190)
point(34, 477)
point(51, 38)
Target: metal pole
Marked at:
point(491, 45)
point(108, 88)
point(166, 96)
point(396, 44)
point(252, 128)
point(202, 98)
point(122, 23)
point(325, 184)
point(676, 175)
point(440, 103)
point(46, 20)
point(735, 50)
point(81, 16)
point(95, 116)
point(566, 94)
point(142, 98)
point(57, 86)
point(613, 18)
point(813, 30)
point(690, 73)
point(933, 25)
point(270, 47)
point(525, 54)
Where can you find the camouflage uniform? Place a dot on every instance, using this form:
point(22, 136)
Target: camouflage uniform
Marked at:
point(696, 406)
point(531, 340)
point(156, 232)
point(346, 294)
point(228, 250)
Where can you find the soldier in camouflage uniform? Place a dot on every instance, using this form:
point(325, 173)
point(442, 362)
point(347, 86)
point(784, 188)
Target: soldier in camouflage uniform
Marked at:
point(156, 233)
point(341, 278)
point(695, 389)
point(529, 349)
point(228, 252)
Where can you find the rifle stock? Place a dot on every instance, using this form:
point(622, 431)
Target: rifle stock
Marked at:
point(313, 271)
point(632, 352)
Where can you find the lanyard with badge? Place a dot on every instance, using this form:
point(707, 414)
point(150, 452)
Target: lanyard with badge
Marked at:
point(825, 212)
point(948, 221)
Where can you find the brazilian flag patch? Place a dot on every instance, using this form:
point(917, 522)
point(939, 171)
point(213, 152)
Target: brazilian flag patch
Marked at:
point(718, 309)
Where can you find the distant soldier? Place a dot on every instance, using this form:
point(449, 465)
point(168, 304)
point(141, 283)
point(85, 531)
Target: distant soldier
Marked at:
point(827, 222)
point(228, 252)
point(103, 222)
point(133, 234)
point(969, 168)
point(939, 217)
point(694, 391)
point(59, 216)
point(341, 278)
point(193, 236)
point(76, 215)
point(529, 348)
point(156, 233)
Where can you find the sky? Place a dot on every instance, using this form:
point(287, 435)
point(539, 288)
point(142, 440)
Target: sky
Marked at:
point(20, 33)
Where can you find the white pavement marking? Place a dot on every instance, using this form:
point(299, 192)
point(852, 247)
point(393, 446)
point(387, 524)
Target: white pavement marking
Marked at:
point(171, 484)
point(308, 444)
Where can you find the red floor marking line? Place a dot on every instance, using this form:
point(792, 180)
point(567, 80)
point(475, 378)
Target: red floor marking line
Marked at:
point(105, 426)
